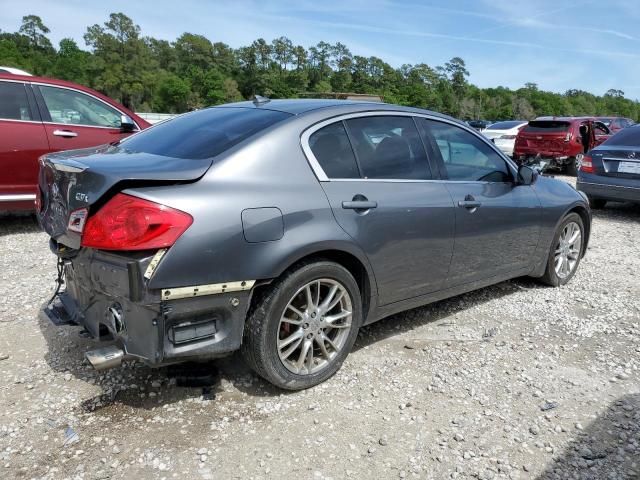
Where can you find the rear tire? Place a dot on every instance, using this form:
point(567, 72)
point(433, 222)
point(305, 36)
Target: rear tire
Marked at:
point(597, 203)
point(287, 310)
point(563, 250)
point(571, 168)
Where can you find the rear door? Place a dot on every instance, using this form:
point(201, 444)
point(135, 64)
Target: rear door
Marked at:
point(375, 172)
point(496, 221)
point(74, 119)
point(22, 141)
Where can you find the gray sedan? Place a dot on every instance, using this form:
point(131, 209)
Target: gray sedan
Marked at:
point(281, 227)
point(611, 171)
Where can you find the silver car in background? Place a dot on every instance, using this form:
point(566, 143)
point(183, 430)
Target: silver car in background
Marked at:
point(503, 134)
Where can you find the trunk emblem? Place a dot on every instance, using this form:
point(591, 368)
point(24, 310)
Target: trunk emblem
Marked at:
point(82, 197)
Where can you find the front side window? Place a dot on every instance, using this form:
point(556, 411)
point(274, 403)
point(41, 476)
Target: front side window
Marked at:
point(330, 145)
point(71, 107)
point(465, 156)
point(13, 102)
point(388, 147)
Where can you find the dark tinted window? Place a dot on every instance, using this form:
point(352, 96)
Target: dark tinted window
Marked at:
point(465, 156)
point(13, 102)
point(388, 147)
point(202, 134)
point(504, 125)
point(330, 145)
point(546, 126)
point(629, 136)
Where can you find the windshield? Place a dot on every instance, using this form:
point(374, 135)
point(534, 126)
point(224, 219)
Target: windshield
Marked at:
point(546, 126)
point(203, 133)
point(505, 125)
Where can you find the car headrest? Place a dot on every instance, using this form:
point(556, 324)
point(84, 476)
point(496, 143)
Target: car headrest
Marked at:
point(391, 157)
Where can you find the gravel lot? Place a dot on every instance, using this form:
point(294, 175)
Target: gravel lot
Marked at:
point(512, 381)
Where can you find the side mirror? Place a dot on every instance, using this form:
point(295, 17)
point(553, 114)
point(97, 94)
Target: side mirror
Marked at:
point(126, 124)
point(526, 175)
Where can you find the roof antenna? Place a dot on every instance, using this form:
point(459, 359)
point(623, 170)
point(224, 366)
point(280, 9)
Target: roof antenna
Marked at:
point(260, 100)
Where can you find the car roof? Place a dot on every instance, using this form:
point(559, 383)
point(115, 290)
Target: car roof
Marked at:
point(302, 106)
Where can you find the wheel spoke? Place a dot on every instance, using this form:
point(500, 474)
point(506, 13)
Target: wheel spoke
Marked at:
point(328, 298)
point(335, 300)
point(325, 338)
point(309, 296)
point(295, 310)
point(323, 348)
point(291, 338)
point(304, 351)
point(331, 319)
point(287, 353)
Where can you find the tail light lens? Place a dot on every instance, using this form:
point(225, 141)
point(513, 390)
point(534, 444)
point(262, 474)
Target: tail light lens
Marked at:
point(586, 164)
point(131, 223)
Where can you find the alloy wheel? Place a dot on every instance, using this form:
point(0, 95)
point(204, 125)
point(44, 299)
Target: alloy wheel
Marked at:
point(314, 326)
point(567, 251)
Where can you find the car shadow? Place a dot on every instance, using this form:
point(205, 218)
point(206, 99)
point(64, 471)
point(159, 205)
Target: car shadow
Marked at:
point(13, 223)
point(137, 385)
point(618, 211)
point(437, 311)
point(606, 448)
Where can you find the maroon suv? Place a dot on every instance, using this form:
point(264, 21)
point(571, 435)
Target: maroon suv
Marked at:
point(559, 141)
point(41, 115)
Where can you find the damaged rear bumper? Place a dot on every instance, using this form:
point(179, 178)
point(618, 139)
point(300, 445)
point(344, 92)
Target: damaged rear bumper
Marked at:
point(107, 294)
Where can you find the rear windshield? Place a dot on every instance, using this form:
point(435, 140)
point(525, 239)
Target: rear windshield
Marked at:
point(627, 137)
point(549, 126)
point(504, 125)
point(204, 133)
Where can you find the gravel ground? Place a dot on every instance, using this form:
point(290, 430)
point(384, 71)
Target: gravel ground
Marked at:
point(512, 381)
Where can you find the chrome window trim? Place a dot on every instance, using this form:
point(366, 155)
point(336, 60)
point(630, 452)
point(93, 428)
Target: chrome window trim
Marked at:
point(89, 95)
point(17, 197)
point(322, 176)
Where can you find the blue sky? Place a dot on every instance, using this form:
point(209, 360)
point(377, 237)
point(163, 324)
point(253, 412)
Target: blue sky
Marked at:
point(591, 45)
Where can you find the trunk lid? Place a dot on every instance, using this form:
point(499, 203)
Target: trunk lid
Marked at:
point(617, 161)
point(86, 178)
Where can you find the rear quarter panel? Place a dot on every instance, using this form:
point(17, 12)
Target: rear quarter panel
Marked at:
point(269, 172)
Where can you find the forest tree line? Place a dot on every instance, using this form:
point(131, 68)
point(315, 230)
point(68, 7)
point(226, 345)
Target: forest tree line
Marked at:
point(147, 74)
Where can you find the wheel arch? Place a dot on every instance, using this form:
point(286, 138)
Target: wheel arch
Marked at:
point(355, 262)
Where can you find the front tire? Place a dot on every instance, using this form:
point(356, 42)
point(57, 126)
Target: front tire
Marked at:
point(300, 330)
point(565, 252)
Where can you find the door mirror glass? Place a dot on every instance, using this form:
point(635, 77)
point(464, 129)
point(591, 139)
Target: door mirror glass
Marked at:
point(526, 175)
point(127, 124)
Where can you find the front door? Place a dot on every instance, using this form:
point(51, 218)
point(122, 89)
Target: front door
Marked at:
point(496, 220)
point(77, 120)
point(377, 186)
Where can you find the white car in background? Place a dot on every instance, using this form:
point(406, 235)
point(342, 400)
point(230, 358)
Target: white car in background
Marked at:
point(14, 71)
point(503, 134)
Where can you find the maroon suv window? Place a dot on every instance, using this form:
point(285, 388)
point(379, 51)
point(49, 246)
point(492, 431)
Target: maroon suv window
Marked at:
point(546, 126)
point(13, 102)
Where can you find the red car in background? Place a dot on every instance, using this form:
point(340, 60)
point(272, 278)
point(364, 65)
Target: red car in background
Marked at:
point(615, 124)
point(42, 115)
point(559, 142)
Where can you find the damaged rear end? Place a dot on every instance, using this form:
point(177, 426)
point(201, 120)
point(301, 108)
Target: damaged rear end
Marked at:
point(109, 243)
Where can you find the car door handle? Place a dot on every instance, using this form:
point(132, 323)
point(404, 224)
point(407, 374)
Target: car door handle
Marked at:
point(65, 133)
point(359, 205)
point(469, 203)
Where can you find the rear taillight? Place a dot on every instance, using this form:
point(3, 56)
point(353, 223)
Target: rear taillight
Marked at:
point(131, 223)
point(586, 164)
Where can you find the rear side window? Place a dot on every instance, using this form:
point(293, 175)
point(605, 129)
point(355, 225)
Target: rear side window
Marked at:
point(13, 102)
point(546, 126)
point(628, 137)
point(465, 156)
point(330, 145)
point(389, 147)
point(504, 125)
point(202, 134)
